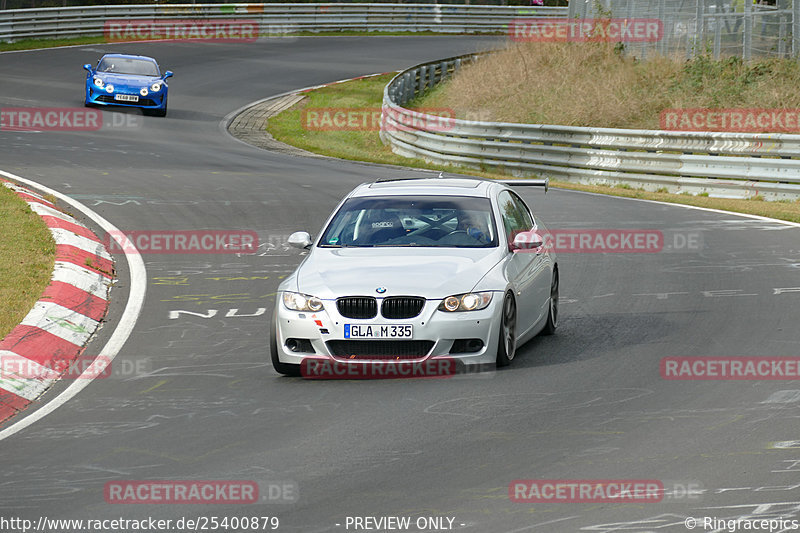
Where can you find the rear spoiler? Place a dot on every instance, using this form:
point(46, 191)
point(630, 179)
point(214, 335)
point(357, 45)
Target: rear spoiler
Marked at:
point(527, 183)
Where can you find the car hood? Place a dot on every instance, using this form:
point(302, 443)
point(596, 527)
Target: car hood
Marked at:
point(433, 273)
point(126, 79)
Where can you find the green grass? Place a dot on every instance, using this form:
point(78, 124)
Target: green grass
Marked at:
point(591, 84)
point(288, 127)
point(30, 44)
point(364, 94)
point(27, 253)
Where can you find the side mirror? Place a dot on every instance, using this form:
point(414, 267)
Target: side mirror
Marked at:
point(167, 74)
point(88, 67)
point(300, 239)
point(527, 240)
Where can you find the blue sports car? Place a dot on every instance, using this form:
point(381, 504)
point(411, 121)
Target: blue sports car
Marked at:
point(128, 80)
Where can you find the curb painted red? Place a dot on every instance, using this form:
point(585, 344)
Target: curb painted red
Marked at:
point(69, 311)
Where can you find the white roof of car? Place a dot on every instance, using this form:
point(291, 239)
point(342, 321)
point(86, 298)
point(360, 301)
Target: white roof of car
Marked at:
point(426, 186)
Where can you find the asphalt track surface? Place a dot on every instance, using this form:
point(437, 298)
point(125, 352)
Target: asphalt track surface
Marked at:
point(587, 403)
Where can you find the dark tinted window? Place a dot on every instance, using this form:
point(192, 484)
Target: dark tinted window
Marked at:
point(431, 221)
point(128, 65)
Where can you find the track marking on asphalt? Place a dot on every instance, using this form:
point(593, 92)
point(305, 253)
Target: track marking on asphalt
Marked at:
point(721, 211)
point(130, 315)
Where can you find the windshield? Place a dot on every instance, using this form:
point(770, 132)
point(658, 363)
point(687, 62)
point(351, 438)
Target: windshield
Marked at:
point(424, 221)
point(128, 65)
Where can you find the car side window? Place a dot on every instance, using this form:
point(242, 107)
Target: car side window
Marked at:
point(524, 213)
point(516, 217)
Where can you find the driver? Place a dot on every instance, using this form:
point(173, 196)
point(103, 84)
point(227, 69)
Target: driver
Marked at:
point(473, 226)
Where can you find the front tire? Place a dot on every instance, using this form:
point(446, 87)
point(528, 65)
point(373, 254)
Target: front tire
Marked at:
point(552, 313)
point(507, 343)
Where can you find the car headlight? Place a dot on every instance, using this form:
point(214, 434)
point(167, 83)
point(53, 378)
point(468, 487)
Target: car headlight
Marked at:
point(471, 301)
point(98, 82)
point(155, 87)
point(301, 302)
point(109, 88)
point(143, 91)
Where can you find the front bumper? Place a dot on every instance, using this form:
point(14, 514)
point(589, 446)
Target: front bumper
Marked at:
point(436, 334)
point(98, 96)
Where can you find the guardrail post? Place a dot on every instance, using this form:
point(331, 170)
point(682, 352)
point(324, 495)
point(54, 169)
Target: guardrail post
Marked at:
point(796, 28)
point(698, 32)
point(782, 37)
point(662, 44)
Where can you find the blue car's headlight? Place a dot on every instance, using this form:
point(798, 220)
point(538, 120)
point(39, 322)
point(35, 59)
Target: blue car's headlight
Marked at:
point(301, 302)
point(109, 88)
point(471, 301)
point(156, 87)
point(143, 91)
point(98, 82)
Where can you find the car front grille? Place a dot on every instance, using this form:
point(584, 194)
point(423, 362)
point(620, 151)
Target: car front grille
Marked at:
point(108, 99)
point(359, 307)
point(370, 349)
point(402, 306)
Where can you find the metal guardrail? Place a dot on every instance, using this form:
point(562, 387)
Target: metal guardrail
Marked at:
point(274, 19)
point(720, 164)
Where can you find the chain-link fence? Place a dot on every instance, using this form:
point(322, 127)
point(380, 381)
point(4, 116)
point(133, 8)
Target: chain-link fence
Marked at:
point(715, 27)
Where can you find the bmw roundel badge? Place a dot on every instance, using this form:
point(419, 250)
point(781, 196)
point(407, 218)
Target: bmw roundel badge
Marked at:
point(380, 290)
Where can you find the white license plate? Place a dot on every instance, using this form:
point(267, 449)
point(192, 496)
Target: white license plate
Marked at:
point(377, 331)
point(126, 97)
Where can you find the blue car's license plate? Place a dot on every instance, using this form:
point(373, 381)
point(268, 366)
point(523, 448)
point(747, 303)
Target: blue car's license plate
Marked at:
point(378, 331)
point(126, 97)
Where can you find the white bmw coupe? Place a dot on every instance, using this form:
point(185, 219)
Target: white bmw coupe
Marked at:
point(418, 269)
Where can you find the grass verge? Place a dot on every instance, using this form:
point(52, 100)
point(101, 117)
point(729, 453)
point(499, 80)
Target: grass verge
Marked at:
point(27, 253)
point(297, 126)
point(592, 84)
point(31, 44)
point(293, 127)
